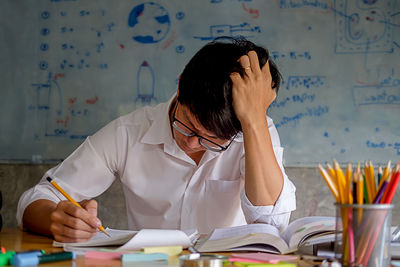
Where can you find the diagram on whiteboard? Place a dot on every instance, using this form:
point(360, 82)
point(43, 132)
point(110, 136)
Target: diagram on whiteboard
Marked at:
point(145, 86)
point(150, 23)
point(244, 29)
point(56, 118)
point(363, 26)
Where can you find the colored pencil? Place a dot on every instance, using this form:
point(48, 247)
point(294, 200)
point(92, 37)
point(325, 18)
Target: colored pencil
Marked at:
point(329, 181)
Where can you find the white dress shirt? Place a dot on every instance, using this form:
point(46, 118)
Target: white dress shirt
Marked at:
point(163, 187)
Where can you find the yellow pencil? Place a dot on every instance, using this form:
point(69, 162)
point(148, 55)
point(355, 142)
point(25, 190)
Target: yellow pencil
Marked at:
point(101, 228)
point(348, 183)
point(332, 173)
point(344, 211)
point(385, 175)
point(360, 186)
point(341, 181)
point(331, 184)
point(368, 182)
point(360, 192)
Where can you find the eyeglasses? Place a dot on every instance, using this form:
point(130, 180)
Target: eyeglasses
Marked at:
point(186, 131)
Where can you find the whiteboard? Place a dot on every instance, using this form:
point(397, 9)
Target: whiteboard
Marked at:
point(68, 67)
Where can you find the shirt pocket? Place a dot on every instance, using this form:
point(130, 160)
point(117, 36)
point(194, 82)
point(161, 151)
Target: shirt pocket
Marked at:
point(221, 203)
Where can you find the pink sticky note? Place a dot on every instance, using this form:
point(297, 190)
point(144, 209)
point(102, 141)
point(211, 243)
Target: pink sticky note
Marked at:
point(244, 260)
point(265, 257)
point(102, 255)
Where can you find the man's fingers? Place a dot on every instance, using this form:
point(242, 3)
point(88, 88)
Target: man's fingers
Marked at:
point(70, 223)
point(245, 62)
point(80, 224)
point(254, 63)
point(236, 79)
point(265, 70)
point(81, 214)
point(62, 233)
point(63, 230)
point(90, 206)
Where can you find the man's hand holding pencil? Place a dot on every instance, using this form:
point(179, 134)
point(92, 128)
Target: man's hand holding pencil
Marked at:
point(72, 221)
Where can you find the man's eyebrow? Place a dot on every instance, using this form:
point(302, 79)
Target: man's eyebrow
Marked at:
point(192, 126)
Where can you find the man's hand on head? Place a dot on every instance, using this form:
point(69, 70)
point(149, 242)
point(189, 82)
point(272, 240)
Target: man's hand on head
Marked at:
point(252, 94)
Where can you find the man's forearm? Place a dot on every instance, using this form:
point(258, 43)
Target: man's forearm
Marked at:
point(36, 216)
point(264, 178)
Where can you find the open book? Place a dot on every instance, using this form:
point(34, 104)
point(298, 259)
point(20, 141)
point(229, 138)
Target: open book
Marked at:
point(267, 238)
point(134, 240)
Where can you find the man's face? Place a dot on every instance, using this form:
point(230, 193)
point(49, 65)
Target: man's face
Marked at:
point(188, 123)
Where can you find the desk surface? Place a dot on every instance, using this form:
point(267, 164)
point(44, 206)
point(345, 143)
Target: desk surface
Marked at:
point(17, 240)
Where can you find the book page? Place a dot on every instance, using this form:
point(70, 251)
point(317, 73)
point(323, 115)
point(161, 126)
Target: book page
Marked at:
point(157, 238)
point(250, 242)
point(223, 233)
point(133, 240)
point(250, 237)
point(298, 229)
point(118, 237)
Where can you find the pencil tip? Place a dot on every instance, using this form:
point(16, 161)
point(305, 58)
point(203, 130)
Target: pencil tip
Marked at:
point(104, 231)
point(49, 179)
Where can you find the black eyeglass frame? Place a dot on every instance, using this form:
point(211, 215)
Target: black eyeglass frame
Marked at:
point(193, 133)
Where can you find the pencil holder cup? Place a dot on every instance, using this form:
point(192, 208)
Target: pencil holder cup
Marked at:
point(363, 234)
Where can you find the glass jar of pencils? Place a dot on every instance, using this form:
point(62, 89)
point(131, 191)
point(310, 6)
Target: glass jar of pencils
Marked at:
point(363, 234)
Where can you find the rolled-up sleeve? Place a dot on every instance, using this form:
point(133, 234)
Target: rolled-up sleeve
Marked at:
point(40, 191)
point(85, 174)
point(278, 214)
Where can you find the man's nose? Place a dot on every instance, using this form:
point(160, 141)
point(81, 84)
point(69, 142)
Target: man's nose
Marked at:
point(193, 141)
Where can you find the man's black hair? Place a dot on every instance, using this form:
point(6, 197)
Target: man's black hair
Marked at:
point(206, 88)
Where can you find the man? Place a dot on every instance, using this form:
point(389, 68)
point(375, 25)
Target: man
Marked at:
point(208, 158)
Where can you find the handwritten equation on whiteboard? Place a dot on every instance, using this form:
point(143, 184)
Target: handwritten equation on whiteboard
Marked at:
point(302, 93)
point(95, 61)
point(87, 49)
point(364, 31)
point(59, 112)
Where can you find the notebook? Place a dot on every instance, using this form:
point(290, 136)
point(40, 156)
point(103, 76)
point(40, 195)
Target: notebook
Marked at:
point(135, 240)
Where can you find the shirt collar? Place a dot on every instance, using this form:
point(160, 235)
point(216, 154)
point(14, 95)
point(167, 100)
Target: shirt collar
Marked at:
point(160, 128)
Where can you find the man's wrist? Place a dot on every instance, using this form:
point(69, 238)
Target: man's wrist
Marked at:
point(254, 124)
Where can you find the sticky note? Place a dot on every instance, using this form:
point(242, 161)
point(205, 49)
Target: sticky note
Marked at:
point(170, 250)
point(236, 259)
point(102, 255)
point(265, 257)
point(249, 264)
point(135, 257)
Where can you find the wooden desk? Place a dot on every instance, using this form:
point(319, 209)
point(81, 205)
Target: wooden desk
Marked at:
point(17, 240)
